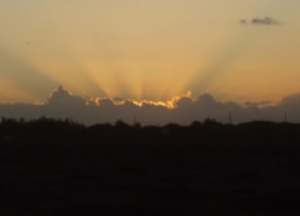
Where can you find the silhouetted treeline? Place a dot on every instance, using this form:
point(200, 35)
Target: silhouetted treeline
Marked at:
point(53, 167)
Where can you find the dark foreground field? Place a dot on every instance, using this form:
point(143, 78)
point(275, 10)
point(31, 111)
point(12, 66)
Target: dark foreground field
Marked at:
point(60, 168)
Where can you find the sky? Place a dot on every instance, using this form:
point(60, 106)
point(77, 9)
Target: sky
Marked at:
point(150, 49)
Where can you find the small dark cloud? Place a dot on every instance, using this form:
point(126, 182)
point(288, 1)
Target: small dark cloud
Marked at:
point(243, 21)
point(266, 21)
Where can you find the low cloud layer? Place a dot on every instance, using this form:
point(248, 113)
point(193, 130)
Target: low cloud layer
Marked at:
point(265, 21)
point(61, 104)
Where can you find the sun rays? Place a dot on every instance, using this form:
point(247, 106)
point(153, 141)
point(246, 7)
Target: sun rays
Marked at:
point(142, 52)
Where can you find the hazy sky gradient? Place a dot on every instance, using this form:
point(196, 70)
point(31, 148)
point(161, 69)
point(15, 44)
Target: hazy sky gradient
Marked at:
point(149, 49)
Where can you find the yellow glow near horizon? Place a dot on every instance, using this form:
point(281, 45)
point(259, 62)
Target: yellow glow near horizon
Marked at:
point(148, 50)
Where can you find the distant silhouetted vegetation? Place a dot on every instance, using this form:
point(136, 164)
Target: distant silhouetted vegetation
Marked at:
point(54, 167)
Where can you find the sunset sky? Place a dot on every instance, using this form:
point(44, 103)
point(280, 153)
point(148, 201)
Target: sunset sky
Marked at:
point(149, 49)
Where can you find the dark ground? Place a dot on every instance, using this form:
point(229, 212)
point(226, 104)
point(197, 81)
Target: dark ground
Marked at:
point(53, 167)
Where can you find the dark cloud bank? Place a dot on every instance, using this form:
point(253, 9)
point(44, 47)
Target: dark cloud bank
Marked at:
point(61, 104)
